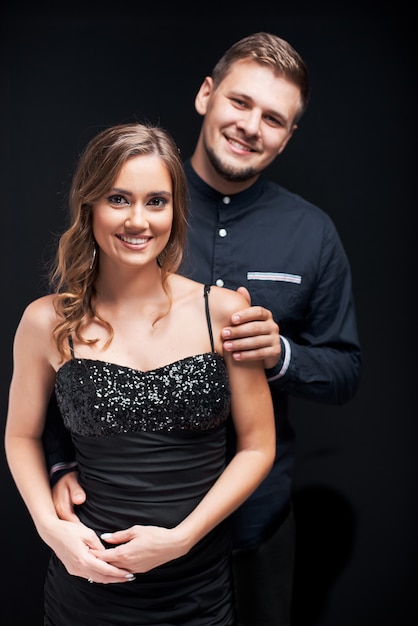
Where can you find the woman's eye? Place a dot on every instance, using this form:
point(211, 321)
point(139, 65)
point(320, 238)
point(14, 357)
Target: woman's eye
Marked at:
point(157, 202)
point(116, 199)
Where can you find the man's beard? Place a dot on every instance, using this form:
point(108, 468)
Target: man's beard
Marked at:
point(228, 173)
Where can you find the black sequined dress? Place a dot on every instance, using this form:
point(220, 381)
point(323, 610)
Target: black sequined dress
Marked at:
point(149, 446)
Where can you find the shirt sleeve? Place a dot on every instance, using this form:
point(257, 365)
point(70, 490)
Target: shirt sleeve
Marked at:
point(58, 446)
point(323, 357)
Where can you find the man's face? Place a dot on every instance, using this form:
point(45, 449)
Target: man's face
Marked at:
point(248, 120)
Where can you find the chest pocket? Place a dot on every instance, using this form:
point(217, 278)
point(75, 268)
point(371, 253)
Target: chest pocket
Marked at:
point(281, 293)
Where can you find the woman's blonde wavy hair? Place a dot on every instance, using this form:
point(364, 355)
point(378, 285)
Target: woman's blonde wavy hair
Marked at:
point(75, 267)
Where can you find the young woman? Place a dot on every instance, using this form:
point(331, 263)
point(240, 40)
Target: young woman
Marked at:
point(134, 353)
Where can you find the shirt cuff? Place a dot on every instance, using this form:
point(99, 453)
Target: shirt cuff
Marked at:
point(59, 470)
point(283, 365)
point(65, 465)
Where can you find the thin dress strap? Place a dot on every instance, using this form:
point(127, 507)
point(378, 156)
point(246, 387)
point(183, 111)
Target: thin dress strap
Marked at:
point(70, 341)
point(206, 294)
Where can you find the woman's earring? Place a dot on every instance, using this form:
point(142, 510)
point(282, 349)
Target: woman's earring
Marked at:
point(93, 258)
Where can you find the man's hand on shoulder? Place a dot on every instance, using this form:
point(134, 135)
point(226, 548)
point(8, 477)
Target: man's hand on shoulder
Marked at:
point(253, 334)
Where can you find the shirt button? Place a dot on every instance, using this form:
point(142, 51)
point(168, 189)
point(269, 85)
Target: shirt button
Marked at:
point(226, 199)
point(222, 232)
point(219, 282)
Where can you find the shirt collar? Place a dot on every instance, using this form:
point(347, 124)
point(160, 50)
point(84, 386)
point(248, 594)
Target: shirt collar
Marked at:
point(243, 198)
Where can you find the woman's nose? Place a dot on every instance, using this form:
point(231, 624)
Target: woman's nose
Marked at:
point(137, 218)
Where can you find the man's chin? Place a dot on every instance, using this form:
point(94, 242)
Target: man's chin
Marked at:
point(235, 173)
point(237, 176)
point(229, 169)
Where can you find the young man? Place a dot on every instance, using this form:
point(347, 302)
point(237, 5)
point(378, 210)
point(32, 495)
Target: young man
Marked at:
point(250, 232)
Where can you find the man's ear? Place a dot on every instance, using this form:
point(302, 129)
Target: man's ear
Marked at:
point(203, 95)
point(287, 139)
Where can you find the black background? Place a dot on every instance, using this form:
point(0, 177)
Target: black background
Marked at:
point(66, 73)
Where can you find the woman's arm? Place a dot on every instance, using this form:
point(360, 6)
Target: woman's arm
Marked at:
point(253, 418)
point(32, 381)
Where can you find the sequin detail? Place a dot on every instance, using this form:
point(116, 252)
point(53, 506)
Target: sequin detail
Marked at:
point(97, 398)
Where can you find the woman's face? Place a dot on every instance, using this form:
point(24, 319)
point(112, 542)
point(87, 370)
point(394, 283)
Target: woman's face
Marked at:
point(132, 222)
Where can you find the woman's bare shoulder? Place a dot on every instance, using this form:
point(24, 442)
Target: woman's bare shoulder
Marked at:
point(227, 301)
point(40, 313)
point(223, 302)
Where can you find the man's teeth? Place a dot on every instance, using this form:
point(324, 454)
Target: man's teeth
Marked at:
point(239, 145)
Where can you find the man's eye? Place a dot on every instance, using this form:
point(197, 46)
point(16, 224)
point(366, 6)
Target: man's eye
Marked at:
point(239, 103)
point(273, 121)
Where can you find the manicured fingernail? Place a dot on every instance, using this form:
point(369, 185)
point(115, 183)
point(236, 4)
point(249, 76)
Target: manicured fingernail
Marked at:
point(106, 535)
point(130, 576)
